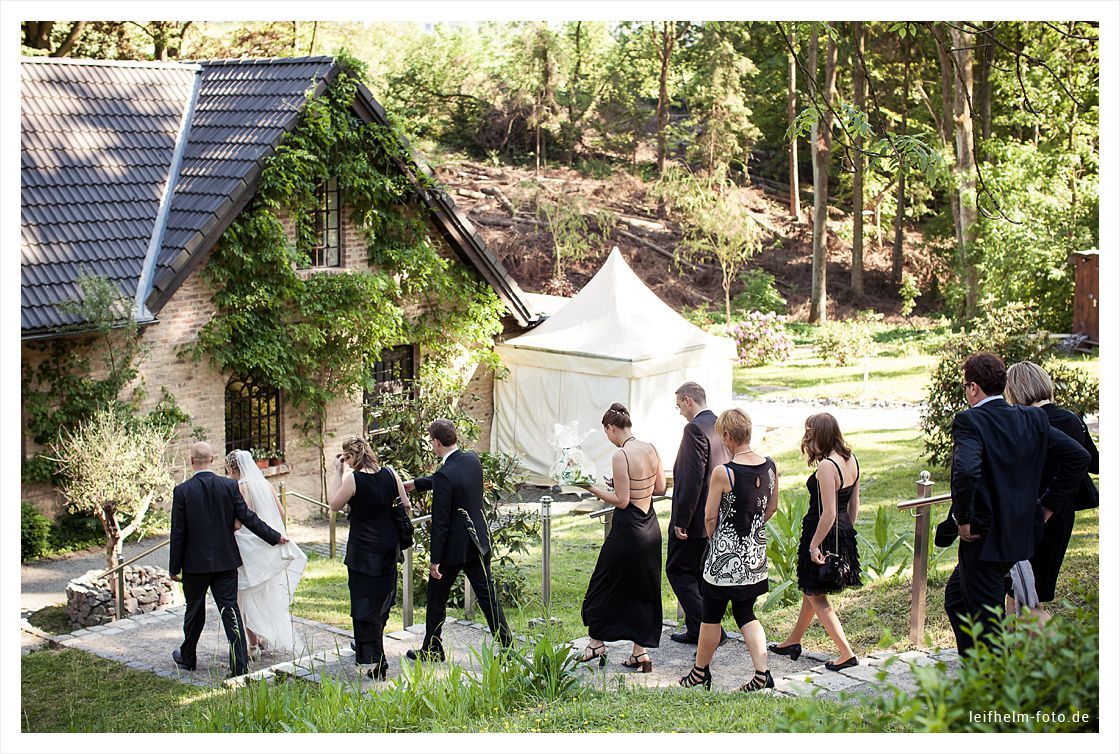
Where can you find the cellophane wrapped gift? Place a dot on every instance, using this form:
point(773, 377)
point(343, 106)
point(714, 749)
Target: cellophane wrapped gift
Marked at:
point(571, 467)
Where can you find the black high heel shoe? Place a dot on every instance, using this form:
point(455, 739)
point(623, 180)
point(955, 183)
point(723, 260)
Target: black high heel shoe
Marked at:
point(698, 676)
point(762, 680)
point(642, 666)
point(591, 653)
point(793, 651)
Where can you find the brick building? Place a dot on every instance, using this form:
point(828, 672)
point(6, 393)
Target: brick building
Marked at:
point(132, 171)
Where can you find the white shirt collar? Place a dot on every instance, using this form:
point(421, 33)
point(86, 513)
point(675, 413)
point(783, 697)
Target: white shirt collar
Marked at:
point(452, 449)
point(989, 399)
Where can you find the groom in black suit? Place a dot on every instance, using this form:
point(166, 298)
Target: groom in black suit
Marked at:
point(204, 512)
point(701, 450)
point(999, 452)
point(460, 539)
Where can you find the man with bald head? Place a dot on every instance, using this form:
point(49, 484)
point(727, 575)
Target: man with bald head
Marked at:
point(205, 510)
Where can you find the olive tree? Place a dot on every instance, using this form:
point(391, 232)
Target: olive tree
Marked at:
point(113, 468)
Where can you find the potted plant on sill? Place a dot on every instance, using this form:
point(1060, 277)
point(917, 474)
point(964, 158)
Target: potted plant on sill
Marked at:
point(260, 456)
point(275, 457)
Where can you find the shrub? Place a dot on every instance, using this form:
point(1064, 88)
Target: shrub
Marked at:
point(760, 339)
point(909, 293)
point(758, 294)
point(76, 532)
point(841, 343)
point(883, 555)
point(35, 532)
point(783, 537)
point(1010, 331)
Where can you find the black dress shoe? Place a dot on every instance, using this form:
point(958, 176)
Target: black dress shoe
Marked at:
point(424, 655)
point(354, 646)
point(851, 662)
point(177, 656)
point(684, 637)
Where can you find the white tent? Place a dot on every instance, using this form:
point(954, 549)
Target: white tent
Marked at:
point(614, 341)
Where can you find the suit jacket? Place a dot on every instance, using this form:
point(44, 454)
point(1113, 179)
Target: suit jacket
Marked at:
point(999, 453)
point(700, 452)
point(457, 518)
point(203, 509)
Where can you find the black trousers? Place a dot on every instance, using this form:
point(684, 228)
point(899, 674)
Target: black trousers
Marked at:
point(477, 572)
point(223, 585)
point(684, 561)
point(975, 590)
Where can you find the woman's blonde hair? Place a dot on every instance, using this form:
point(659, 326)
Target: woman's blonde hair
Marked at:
point(1028, 383)
point(737, 424)
point(366, 455)
point(822, 436)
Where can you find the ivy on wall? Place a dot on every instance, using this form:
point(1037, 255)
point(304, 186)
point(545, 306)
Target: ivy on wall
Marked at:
point(314, 335)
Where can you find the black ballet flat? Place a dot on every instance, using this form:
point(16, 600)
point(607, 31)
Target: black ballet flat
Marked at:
point(591, 653)
point(851, 662)
point(793, 651)
point(698, 676)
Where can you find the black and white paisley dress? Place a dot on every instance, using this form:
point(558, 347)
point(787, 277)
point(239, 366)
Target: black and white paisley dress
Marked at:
point(735, 563)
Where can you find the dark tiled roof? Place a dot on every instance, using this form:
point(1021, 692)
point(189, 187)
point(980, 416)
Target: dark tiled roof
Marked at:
point(99, 142)
point(97, 146)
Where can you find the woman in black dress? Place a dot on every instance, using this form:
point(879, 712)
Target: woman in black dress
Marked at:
point(742, 496)
point(372, 550)
point(1028, 384)
point(828, 527)
point(623, 599)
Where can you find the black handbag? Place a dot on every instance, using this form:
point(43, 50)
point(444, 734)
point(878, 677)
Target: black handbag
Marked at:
point(833, 572)
point(401, 520)
point(1087, 494)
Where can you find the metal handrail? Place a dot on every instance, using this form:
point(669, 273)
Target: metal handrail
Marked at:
point(918, 502)
point(119, 570)
point(919, 508)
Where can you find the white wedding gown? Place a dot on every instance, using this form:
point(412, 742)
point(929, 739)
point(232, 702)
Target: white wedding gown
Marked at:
point(268, 576)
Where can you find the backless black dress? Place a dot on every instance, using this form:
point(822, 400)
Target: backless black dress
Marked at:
point(841, 538)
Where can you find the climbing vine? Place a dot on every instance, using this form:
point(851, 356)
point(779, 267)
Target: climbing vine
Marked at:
point(313, 335)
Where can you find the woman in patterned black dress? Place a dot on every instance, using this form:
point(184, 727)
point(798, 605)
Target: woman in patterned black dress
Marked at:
point(828, 527)
point(742, 496)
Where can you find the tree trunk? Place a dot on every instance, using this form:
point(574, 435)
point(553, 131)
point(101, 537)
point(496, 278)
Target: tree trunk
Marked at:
point(985, 55)
point(71, 39)
point(900, 205)
point(818, 300)
point(965, 168)
point(314, 33)
point(665, 50)
point(37, 34)
point(791, 113)
point(859, 86)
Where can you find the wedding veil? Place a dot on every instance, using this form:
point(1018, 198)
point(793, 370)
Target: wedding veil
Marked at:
point(263, 498)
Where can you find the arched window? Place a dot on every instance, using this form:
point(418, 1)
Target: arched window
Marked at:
point(254, 417)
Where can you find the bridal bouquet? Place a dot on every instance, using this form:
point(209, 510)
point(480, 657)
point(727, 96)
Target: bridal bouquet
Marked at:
point(571, 466)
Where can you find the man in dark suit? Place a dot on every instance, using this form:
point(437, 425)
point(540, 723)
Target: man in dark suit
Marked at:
point(204, 511)
point(999, 452)
point(700, 452)
point(460, 539)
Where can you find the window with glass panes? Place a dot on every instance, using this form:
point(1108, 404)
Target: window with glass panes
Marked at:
point(254, 417)
point(328, 228)
point(393, 374)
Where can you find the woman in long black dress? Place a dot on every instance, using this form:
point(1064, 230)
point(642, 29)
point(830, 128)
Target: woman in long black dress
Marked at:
point(623, 599)
point(828, 527)
point(1029, 384)
point(372, 550)
point(742, 496)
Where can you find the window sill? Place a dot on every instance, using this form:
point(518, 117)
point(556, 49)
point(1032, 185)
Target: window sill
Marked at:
point(275, 470)
point(306, 272)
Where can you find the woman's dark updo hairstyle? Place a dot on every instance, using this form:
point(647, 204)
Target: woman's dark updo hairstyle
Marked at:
point(617, 416)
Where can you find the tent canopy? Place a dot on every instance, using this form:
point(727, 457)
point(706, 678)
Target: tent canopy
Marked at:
point(614, 341)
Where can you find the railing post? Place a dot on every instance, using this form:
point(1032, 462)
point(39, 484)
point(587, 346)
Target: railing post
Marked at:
point(330, 516)
point(120, 580)
point(468, 598)
point(284, 502)
point(406, 598)
point(921, 562)
point(546, 554)
point(608, 522)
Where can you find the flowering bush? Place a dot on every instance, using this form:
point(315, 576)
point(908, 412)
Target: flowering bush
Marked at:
point(844, 342)
point(760, 339)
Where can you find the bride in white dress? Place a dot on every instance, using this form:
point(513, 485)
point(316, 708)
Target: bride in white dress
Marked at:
point(267, 578)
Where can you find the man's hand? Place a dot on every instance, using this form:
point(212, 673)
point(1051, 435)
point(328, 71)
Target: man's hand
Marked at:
point(410, 485)
point(236, 524)
point(965, 532)
point(434, 571)
point(283, 540)
point(1046, 514)
point(680, 533)
point(176, 577)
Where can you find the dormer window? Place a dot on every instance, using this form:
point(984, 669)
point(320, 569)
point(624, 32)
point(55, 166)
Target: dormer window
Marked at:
point(328, 227)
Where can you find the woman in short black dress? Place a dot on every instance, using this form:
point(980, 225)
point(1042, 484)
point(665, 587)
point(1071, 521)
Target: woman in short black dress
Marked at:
point(623, 599)
point(828, 527)
point(372, 550)
point(742, 496)
point(1029, 384)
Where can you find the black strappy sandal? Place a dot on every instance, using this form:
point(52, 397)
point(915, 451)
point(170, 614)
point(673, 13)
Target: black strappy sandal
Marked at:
point(591, 653)
point(642, 666)
point(698, 676)
point(762, 680)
